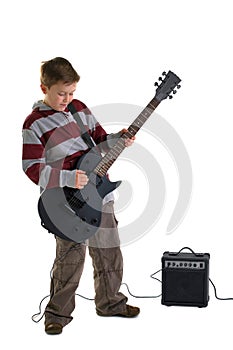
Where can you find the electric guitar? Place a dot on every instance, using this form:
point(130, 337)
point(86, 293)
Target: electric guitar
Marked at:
point(75, 214)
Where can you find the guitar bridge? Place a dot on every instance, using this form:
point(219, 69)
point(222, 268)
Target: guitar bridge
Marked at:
point(75, 203)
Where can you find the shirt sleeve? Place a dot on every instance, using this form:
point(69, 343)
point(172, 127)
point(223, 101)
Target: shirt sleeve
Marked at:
point(35, 167)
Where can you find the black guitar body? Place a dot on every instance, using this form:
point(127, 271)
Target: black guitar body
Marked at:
point(74, 214)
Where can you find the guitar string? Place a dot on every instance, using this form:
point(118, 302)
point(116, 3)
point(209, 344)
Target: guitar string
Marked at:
point(106, 162)
point(132, 130)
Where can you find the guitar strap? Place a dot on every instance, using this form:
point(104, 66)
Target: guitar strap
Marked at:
point(84, 133)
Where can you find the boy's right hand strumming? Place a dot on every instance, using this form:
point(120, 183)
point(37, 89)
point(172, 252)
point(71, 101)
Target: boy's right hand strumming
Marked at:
point(81, 179)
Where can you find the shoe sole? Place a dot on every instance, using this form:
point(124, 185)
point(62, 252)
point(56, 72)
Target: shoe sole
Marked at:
point(53, 332)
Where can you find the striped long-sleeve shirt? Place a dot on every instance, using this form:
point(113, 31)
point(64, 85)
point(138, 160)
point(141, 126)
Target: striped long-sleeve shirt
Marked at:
point(52, 143)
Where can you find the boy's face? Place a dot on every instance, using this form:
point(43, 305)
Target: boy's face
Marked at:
point(59, 95)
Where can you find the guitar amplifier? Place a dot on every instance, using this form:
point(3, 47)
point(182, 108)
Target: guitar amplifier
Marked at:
point(185, 279)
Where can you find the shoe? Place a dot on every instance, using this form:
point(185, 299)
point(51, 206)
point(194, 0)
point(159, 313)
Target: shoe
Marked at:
point(131, 311)
point(53, 328)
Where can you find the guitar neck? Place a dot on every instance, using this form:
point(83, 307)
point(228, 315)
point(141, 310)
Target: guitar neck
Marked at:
point(110, 157)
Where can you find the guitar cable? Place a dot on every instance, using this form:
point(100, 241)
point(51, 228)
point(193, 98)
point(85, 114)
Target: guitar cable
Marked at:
point(33, 317)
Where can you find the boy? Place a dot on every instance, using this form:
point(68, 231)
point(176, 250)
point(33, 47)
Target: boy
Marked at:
point(52, 164)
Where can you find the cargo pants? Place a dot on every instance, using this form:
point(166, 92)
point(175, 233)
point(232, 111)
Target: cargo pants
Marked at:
point(107, 261)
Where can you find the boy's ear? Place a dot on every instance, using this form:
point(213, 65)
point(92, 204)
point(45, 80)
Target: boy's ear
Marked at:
point(43, 88)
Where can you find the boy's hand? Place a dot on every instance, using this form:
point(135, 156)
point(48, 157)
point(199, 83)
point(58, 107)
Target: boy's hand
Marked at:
point(129, 141)
point(81, 179)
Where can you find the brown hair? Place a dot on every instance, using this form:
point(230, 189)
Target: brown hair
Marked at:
point(58, 69)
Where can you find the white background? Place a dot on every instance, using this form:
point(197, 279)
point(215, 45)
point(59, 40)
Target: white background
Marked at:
point(120, 48)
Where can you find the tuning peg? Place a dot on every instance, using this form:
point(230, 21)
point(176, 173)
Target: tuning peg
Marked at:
point(174, 92)
point(164, 73)
point(160, 78)
point(156, 84)
point(170, 97)
point(178, 86)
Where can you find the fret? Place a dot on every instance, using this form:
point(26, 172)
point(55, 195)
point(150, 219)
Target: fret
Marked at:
point(110, 157)
point(133, 130)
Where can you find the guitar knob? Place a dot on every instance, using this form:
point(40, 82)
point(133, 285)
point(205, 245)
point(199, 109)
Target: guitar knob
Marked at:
point(94, 221)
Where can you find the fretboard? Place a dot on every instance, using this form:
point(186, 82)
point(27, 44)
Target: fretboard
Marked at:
point(110, 157)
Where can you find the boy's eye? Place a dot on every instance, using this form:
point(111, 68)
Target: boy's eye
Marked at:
point(63, 94)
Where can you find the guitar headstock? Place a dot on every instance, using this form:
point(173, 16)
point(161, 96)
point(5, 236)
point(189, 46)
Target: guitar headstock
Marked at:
point(168, 85)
